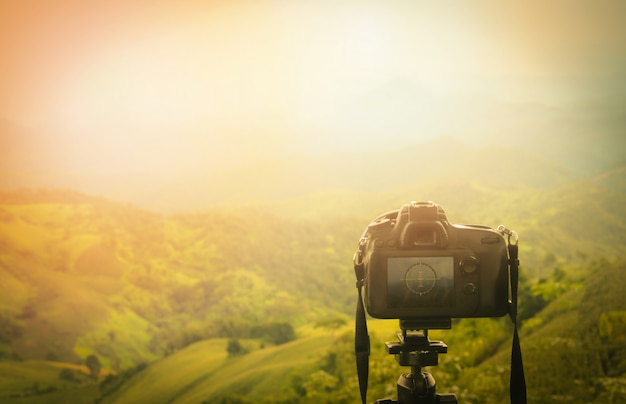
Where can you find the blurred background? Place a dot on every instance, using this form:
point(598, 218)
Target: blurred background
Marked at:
point(130, 100)
point(183, 184)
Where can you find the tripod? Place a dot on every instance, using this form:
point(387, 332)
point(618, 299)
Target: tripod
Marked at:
point(414, 349)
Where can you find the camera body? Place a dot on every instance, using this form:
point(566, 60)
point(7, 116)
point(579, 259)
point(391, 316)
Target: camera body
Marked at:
point(418, 266)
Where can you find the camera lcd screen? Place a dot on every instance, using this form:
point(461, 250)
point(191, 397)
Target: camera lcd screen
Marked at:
point(420, 281)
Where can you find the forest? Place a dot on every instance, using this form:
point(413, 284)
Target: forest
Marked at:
point(254, 302)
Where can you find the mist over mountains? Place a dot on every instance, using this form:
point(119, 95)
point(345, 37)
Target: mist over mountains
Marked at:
point(399, 134)
point(400, 112)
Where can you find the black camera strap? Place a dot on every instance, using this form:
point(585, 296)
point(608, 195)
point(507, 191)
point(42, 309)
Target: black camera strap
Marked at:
point(361, 337)
point(518, 381)
point(362, 347)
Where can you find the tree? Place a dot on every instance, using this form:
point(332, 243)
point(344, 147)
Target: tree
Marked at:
point(276, 332)
point(280, 332)
point(67, 374)
point(93, 363)
point(235, 348)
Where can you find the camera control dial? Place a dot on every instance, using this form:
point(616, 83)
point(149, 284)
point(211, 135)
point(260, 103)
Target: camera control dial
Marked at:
point(468, 265)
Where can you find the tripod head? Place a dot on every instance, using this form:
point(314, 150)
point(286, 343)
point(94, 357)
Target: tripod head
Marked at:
point(416, 350)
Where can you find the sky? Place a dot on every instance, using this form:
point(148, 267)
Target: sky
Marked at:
point(138, 81)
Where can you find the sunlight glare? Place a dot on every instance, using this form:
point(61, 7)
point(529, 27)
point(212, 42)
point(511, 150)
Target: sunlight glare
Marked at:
point(367, 45)
point(136, 87)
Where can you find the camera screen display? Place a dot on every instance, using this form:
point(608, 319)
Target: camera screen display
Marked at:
point(420, 281)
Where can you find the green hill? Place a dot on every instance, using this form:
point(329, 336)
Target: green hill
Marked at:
point(46, 381)
point(90, 275)
point(573, 351)
point(203, 372)
point(86, 276)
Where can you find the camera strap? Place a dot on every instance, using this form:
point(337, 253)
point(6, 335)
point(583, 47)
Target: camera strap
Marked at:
point(361, 337)
point(362, 347)
point(518, 381)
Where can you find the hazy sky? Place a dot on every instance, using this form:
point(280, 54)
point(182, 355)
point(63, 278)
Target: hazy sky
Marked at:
point(121, 70)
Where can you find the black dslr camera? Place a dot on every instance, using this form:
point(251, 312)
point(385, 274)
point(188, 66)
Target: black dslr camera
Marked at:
point(419, 266)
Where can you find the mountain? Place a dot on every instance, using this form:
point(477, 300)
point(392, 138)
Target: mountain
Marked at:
point(398, 134)
point(441, 160)
point(584, 136)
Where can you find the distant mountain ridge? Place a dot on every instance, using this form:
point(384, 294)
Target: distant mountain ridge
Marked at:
point(397, 135)
point(581, 136)
point(440, 160)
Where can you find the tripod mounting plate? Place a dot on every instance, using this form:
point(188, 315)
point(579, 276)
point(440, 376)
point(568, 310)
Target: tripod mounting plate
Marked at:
point(416, 350)
point(426, 324)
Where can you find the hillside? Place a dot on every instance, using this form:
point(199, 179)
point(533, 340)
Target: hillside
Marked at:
point(204, 372)
point(138, 285)
point(85, 276)
point(573, 352)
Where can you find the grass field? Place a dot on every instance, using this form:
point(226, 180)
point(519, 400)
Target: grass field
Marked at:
point(40, 382)
point(201, 372)
point(204, 370)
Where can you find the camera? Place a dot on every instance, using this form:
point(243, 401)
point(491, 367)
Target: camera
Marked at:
point(419, 266)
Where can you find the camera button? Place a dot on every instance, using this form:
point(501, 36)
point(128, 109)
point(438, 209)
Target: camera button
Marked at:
point(470, 288)
point(468, 265)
